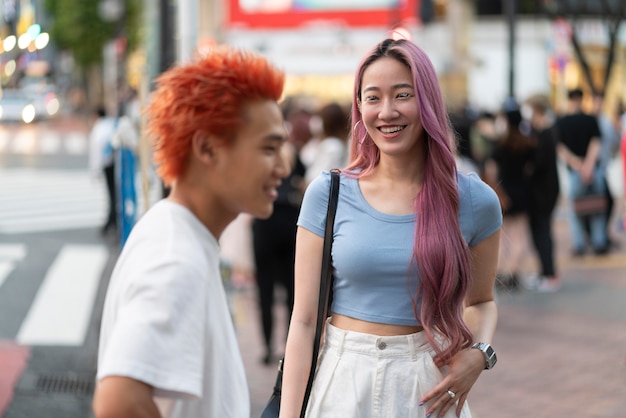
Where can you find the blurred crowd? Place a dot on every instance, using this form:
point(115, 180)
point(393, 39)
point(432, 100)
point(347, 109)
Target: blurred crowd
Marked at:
point(536, 157)
point(532, 155)
point(263, 251)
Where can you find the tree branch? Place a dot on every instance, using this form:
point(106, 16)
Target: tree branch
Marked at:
point(581, 59)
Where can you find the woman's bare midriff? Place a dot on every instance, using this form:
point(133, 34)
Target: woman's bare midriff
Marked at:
point(373, 328)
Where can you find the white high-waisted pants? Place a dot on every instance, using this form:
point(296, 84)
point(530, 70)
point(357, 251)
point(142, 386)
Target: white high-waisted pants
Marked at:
point(369, 376)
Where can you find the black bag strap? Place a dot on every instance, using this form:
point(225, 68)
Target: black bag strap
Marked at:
point(325, 281)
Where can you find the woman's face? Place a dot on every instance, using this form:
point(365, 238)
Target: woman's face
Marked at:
point(389, 108)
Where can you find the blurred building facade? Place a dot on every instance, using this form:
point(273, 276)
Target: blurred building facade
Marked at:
point(319, 44)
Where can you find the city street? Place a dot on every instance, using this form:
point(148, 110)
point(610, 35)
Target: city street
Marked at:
point(52, 260)
point(560, 355)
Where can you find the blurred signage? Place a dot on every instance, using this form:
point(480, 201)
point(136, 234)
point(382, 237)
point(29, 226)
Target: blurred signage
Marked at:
point(269, 6)
point(282, 14)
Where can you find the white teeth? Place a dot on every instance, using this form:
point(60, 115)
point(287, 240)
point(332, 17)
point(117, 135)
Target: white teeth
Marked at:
point(391, 129)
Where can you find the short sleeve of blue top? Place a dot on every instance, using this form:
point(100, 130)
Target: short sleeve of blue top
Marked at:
point(372, 250)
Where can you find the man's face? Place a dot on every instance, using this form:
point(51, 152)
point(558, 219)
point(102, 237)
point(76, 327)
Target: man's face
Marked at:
point(253, 166)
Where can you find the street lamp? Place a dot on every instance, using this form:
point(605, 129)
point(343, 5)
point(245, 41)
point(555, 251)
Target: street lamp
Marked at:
point(511, 10)
point(112, 11)
point(9, 43)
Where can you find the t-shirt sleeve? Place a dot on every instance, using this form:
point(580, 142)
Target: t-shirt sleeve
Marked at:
point(315, 204)
point(486, 210)
point(158, 335)
point(595, 128)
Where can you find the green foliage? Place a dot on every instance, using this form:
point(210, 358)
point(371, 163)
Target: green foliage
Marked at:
point(78, 27)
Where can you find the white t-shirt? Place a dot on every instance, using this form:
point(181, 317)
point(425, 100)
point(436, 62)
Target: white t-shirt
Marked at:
point(331, 153)
point(100, 136)
point(166, 320)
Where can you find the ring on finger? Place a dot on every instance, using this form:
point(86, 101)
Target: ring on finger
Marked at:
point(451, 394)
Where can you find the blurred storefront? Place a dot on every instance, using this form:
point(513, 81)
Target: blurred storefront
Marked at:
point(319, 44)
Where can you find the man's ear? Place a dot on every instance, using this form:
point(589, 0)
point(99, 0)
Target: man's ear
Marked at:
point(203, 146)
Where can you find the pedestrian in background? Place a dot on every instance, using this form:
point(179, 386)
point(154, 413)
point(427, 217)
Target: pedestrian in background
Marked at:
point(102, 161)
point(508, 172)
point(579, 148)
point(544, 193)
point(415, 248)
point(167, 345)
point(332, 149)
point(274, 241)
point(609, 147)
point(463, 118)
point(484, 138)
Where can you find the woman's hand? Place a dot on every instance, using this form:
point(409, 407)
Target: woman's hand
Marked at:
point(465, 367)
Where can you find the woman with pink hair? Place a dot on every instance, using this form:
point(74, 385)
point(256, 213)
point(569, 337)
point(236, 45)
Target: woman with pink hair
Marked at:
point(415, 249)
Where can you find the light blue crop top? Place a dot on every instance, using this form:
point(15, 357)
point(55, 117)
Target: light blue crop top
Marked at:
point(372, 250)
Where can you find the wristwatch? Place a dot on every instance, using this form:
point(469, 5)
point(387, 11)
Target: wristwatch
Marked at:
point(489, 353)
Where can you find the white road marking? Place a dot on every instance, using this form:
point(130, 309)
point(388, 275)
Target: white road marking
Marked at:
point(6, 267)
point(62, 308)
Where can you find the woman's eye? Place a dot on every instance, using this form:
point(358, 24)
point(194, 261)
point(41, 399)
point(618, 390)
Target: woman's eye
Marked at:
point(404, 95)
point(370, 98)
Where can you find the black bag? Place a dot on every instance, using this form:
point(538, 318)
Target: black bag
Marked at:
point(272, 409)
point(591, 204)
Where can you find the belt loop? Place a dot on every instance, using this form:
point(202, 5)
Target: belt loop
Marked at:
point(411, 339)
point(342, 339)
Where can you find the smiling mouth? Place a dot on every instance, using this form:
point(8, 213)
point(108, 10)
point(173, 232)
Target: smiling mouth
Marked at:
point(272, 191)
point(391, 129)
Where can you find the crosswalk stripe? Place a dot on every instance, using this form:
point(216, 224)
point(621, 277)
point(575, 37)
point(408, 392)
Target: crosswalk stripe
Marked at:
point(6, 267)
point(9, 255)
point(76, 143)
point(50, 143)
point(24, 142)
point(12, 252)
point(62, 307)
point(29, 140)
point(50, 200)
point(4, 140)
point(53, 223)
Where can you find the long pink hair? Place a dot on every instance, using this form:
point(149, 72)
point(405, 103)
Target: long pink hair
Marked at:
point(441, 257)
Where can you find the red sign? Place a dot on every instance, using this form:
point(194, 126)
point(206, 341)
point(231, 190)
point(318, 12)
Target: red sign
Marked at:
point(282, 14)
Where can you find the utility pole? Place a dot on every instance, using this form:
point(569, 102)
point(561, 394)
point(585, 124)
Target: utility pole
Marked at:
point(187, 29)
point(511, 10)
point(113, 11)
point(459, 19)
point(167, 55)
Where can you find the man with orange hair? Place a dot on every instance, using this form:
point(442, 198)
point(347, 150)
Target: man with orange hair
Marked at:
point(167, 345)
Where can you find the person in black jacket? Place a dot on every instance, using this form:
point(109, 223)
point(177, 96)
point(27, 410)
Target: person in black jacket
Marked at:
point(507, 171)
point(544, 192)
point(274, 238)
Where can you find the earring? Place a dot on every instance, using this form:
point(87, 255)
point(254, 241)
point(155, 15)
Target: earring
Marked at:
point(361, 140)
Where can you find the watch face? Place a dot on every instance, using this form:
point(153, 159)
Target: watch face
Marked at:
point(489, 353)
